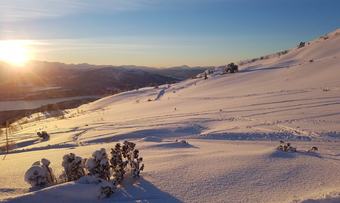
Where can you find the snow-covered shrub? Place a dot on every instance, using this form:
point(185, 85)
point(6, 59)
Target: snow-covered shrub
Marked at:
point(73, 167)
point(127, 148)
point(286, 147)
point(125, 158)
point(117, 163)
point(40, 174)
point(43, 135)
point(106, 189)
point(132, 155)
point(98, 165)
point(89, 180)
point(313, 149)
point(136, 164)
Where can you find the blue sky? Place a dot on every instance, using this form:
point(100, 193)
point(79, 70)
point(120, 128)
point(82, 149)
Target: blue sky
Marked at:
point(164, 32)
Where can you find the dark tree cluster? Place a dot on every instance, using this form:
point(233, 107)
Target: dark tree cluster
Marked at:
point(231, 68)
point(302, 44)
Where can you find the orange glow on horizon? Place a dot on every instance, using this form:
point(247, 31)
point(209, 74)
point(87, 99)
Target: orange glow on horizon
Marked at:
point(15, 52)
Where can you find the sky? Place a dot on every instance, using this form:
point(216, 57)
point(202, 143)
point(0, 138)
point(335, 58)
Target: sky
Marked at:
point(163, 33)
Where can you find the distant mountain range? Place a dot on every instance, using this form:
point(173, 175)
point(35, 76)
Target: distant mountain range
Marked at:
point(41, 80)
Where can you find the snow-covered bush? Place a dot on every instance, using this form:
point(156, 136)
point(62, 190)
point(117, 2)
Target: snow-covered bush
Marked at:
point(313, 149)
point(89, 180)
point(286, 147)
point(73, 167)
point(40, 174)
point(132, 155)
point(106, 189)
point(98, 165)
point(125, 158)
point(43, 135)
point(127, 148)
point(136, 164)
point(117, 163)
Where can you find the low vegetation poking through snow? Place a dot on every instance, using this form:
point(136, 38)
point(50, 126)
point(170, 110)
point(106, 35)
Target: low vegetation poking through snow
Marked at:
point(43, 135)
point(286, 147)
point(313, 149)
point(184, 142)
point(98, 169)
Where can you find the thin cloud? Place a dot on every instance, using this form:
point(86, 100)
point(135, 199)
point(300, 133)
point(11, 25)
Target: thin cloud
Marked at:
point(125, 43)
point(21, 10)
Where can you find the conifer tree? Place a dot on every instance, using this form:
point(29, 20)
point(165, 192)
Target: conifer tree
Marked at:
point(117, 163)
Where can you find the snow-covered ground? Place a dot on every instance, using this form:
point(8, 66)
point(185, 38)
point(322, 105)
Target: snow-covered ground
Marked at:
point(233, 123)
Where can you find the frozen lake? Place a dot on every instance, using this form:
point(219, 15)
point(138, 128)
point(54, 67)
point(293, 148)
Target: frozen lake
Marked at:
point(33, 104)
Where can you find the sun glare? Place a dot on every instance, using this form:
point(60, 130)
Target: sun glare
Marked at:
point(15, 52)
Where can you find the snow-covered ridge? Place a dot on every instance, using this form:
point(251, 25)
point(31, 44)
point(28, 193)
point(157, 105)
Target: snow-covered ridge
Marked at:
point(315, 50)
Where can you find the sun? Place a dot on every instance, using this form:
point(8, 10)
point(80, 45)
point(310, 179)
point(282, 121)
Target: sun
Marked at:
point(15, 52)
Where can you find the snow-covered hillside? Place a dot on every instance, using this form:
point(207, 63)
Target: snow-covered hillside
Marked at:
point(233, 123)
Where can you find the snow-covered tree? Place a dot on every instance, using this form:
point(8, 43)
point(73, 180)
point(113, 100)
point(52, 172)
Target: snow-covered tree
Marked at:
point(117, 163)
point(73, 167)
point(40, 174)
point(98, 165)
point(132, 155)
point(127, 148)
point(136, 164)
